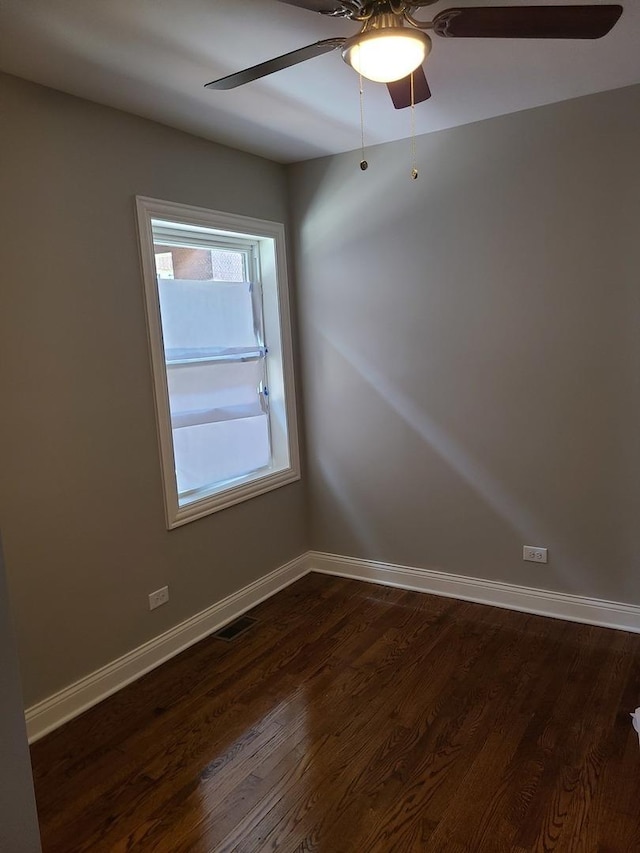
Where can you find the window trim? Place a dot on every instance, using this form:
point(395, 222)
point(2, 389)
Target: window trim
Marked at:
point(271, 237)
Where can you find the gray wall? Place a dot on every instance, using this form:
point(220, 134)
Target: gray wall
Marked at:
point(471, 356)
point(18, 818)
point(80, 492)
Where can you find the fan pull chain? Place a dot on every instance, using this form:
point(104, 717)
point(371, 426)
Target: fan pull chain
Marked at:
point(363, 163)
point(414, 167)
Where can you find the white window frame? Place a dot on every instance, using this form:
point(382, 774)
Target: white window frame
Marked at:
point(270, 239)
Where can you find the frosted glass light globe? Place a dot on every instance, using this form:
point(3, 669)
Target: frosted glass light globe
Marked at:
point(386, 55)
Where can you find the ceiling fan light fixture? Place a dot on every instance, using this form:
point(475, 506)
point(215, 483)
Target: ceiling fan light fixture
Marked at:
point(385, 55)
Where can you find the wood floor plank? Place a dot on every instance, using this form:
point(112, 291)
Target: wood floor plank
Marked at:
point(481, 816)
point(361, 689)
point(437, 774)
point(206, 724)
point(239, 704)
point(355, 718)
point(574, 725)
point(505, 806)
point(382, 780)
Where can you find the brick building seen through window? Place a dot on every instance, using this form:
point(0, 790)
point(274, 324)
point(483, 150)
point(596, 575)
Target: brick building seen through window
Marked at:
point(194, 264)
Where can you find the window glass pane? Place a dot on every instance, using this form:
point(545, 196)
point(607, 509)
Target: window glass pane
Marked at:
point(215, 363)
point(202, 318)
point(164, 264)
point(202, 264)
point(213, 385)
point(227, 266)
point(218, 452)
point(219, 421)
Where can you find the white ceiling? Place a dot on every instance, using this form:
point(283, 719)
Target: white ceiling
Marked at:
point(152, 58)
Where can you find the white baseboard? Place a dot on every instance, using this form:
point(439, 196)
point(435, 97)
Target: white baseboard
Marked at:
point(73, 700)
point(52, 712)
point(559, 605)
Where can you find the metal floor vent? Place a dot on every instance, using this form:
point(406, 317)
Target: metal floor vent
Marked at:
point(235, 628)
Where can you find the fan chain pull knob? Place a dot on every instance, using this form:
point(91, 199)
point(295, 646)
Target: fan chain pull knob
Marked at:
point(364, 165)
point(414, 174)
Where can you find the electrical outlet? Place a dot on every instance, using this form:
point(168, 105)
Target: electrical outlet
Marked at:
point(159, 597)
point(534, 555)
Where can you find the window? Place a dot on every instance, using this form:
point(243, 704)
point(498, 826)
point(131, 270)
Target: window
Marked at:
point(218, 320)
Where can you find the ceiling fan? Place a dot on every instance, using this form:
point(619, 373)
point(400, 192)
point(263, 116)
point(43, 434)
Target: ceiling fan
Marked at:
point(392, 45)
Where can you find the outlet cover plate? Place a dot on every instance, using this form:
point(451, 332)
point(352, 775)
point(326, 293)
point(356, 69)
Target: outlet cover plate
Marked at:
point(533, 554)
point(158, 598)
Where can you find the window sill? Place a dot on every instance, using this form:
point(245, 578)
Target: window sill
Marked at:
point(231, 496)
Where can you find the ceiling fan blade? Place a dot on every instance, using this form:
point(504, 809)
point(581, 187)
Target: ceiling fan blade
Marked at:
point(325, 7)
point(541, 22)
point(400, 90)
point(277, 64)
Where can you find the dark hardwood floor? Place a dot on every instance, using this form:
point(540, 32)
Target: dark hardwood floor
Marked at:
point(354, 718)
